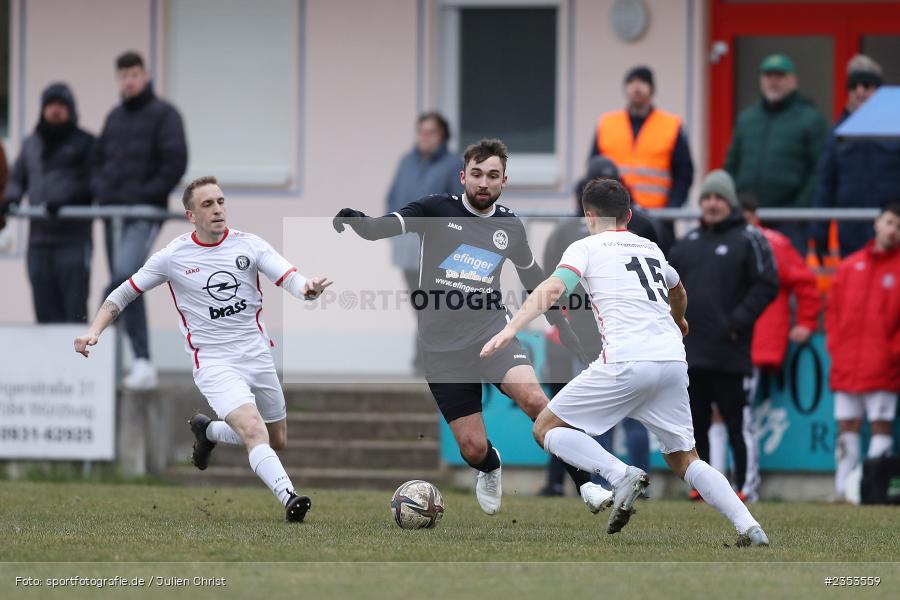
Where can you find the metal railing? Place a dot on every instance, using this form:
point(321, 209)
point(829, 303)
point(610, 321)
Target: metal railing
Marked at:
point(765, 214)
point(117, 214)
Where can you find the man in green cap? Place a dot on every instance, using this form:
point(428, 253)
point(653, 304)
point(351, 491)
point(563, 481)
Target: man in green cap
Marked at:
point(775, 146)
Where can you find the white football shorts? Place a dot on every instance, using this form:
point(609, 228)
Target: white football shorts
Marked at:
point(877, 406)
point(652, 392)
point(255, 381)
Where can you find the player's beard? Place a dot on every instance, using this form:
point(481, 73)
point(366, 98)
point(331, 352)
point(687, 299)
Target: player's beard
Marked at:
point(481, 203)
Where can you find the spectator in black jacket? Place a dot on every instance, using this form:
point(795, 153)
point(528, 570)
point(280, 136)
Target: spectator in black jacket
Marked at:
point(53, 170)
point(856, 173)
point(728, 270)
point(140, 158)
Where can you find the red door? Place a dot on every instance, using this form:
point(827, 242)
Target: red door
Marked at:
point(820, 37)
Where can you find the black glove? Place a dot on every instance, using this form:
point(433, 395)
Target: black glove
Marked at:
point(567, 335)
point(52, 209)
point(345, 215)
point(6, 206)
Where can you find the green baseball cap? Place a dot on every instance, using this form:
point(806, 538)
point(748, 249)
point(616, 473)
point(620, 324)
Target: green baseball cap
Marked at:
point(776, 62)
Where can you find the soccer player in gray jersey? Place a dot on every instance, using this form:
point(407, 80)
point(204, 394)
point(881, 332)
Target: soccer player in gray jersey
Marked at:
point(464, 242)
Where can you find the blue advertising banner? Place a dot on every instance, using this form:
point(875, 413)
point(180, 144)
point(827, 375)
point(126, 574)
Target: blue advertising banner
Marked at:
point(793, 412)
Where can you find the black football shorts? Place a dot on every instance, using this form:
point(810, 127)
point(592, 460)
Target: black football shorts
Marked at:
point(455, 376)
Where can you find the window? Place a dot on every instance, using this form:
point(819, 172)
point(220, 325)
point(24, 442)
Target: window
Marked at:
point(232, 71)
point(500, 74)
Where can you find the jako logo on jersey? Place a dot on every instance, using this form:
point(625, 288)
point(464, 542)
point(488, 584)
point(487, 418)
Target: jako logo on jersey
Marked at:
point(721, 249)
point(453, 225)
point(522, 356)
point(500, 239)
point(222, 286)
point(226, 311)
point(192, 271)
point(242, 263)
point(468, 258)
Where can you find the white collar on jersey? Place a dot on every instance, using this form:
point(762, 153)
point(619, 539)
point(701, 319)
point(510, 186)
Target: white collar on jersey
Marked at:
point(471, 209)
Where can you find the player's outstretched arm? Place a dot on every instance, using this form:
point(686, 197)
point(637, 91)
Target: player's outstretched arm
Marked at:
point(368, 228)
point(539, 301)
point(114, 304)
point(533, 276)
point(105, 317)
point(299, 286)
point(678, 307)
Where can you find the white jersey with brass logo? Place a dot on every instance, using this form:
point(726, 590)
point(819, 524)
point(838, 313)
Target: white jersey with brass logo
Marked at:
point(217, 292)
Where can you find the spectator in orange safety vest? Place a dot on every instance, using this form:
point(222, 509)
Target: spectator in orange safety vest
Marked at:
point(647, 144)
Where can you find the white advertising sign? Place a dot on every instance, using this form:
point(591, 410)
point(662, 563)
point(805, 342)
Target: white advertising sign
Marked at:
point(54, 403)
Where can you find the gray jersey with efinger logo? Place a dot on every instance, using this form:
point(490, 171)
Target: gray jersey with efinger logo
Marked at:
point(459, 301)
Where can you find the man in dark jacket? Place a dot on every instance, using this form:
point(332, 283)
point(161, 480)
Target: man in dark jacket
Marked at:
point(53, 170)
point(728, 270)
point(776, 145)
point(140, 158)
point(856, 173)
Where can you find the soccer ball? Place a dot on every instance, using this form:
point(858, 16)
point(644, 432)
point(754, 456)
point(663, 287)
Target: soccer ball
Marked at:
point(416, 505)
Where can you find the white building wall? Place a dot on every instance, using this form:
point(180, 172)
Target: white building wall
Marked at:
point(360, 86)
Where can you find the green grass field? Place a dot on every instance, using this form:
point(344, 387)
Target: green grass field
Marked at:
point(350, 547)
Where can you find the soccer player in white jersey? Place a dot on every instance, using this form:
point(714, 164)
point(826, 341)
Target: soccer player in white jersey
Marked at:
point(213, 276)
point(639, 303)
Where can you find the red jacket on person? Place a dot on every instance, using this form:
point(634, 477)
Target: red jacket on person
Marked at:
point(770, 334)
point(862, 321)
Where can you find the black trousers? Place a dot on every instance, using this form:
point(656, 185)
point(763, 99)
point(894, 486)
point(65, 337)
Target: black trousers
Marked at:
point(60, 276)
point(727, 391)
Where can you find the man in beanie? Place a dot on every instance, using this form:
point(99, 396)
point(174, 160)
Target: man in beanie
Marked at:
point(728, 270)
point(856, 173)
point(647, 144)
point(776, 144)
point(53, 170)
point(140, 158)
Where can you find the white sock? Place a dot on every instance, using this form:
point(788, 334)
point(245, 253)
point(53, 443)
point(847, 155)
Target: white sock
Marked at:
point(220, 431)
point(267, 467)
point(879, 445)
point(752, 480)
point(581, 450)
point(718, 447)
point(846, 455)
point(715, 489)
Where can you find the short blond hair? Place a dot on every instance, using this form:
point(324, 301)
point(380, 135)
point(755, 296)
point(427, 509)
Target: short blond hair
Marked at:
point(189, 190)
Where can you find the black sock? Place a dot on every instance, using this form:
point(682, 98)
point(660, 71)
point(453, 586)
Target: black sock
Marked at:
point(578, 476)
point(490, 461)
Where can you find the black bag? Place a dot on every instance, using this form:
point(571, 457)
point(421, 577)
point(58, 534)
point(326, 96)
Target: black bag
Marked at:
point(881, 480)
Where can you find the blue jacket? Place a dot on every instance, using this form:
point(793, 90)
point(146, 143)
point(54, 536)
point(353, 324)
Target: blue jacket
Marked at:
point(855, 174)
point(417, 177)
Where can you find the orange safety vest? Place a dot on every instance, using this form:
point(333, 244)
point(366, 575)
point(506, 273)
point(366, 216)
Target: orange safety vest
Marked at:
point(644, 164)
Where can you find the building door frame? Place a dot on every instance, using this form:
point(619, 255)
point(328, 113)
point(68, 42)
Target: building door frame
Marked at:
point(845, 22)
